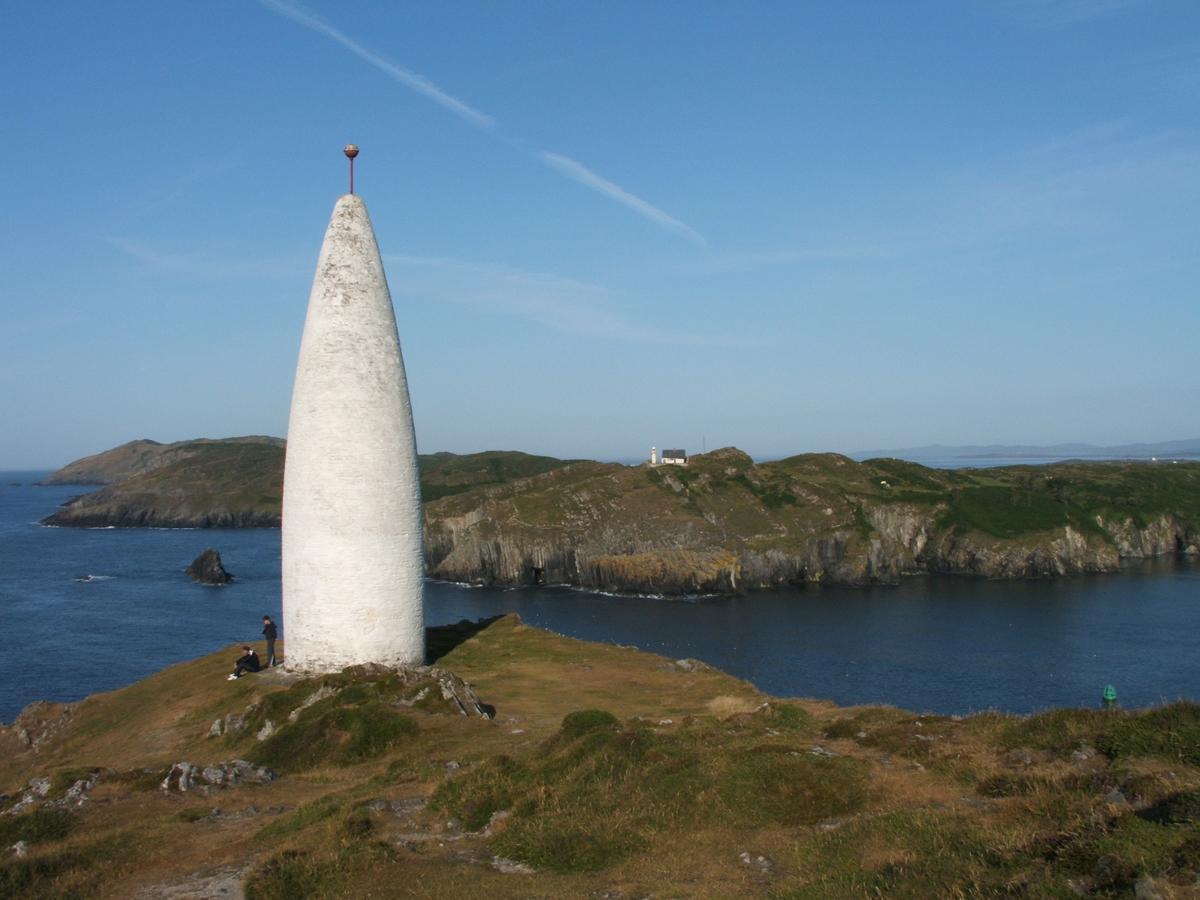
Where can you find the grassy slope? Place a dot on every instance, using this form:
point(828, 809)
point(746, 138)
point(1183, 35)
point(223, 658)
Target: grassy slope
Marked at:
point(446, 474)
point(660, 793)
point(723, 501)
point(136, 457)
point(239, 482)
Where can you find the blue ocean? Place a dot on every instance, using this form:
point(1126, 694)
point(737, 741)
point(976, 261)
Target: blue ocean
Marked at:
point(91, 610)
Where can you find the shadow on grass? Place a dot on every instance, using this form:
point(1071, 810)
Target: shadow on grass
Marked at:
point(442, 639)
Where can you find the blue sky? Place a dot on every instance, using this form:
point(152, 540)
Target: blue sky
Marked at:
point(784, 226)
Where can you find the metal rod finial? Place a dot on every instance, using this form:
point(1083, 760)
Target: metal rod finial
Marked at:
point(351, 151)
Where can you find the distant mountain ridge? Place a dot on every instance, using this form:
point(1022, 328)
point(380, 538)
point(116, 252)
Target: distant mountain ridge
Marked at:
point(1182, 449)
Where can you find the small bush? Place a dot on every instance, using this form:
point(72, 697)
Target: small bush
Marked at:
point(1175, 809)
point(778, 785)
point(1006, 786)
point(486, 789)
point(843, 728)
point(558, 847)
point(341, 735)
point(289, 875)
point(35, 827)
point(583, 721)
point(308, 814)
point(789, 718)
point(69, 872)
point(62, 780)
point(1170, 731)
point(357, 825)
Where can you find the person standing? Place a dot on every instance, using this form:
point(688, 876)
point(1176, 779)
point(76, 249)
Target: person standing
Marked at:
point(270, 632)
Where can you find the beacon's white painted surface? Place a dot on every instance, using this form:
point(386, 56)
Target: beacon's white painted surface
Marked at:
point(353, 589)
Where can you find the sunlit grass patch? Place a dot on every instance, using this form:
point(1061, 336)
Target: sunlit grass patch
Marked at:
point(600, 790)
point(1171, 732)
point(342, 735)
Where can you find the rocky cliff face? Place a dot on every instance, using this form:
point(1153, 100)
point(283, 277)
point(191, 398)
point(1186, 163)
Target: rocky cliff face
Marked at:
point(720, 524)
point(726, 525)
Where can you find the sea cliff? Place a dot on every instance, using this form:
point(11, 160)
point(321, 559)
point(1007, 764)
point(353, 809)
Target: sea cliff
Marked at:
point(726, 524)
point(723, 523)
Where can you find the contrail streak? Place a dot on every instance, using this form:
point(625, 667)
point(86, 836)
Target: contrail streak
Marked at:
point(418, 83)
point(585, 176)
point(564, 165)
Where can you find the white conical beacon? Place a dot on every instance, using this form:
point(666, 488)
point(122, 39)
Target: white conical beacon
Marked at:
point(353, 588)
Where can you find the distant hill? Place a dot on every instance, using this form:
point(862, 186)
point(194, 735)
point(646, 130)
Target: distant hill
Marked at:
point(237, 482)
point(140, 456)
point(1184, 449)
point(193, 484)
point(445, 474)
point(722, 523)
point(725, 523)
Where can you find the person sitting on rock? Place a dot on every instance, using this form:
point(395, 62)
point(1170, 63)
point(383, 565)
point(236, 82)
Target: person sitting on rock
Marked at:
point(247, 663)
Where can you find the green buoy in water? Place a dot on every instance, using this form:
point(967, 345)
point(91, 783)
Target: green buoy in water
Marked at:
point(1109, 696)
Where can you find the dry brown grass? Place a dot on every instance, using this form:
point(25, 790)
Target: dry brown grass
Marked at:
point(923, 824)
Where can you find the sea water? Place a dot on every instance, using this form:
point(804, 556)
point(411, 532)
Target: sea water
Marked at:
point(938, 644)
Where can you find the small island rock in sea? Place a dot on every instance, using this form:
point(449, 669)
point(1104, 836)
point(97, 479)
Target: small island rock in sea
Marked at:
point(207, 569)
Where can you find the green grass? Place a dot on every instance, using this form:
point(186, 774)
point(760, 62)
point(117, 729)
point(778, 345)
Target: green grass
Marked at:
point(290, 875)
point(1003, 512)
point(908, 856)
point(39, 826)
point(339, 735)
point(1168, 732)
point(598, 791)
point(62, 780)
point(307, 815)
point(72, 872)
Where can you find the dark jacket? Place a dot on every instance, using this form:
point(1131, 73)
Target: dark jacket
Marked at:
point(249, 662)
point(270, 632)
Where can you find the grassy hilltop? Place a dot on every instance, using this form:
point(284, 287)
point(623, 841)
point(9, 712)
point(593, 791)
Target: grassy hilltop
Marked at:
point(605, 772)
point(726, 523)
point(722, 523)
point(236, 482)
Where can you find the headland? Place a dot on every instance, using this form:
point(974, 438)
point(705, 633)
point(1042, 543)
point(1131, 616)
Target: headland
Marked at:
point(721, 524)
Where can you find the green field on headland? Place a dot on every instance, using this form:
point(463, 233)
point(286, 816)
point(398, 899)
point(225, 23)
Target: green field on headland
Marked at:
point(602, 771)
point(723, 523)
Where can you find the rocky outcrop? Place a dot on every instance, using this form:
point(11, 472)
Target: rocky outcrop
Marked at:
point(35, 726)
point(40, 792)
point(1159, 537)
point(207, 569)
point(185, 776)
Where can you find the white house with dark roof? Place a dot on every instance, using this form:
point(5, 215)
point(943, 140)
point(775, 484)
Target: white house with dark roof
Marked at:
point(674, 458)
